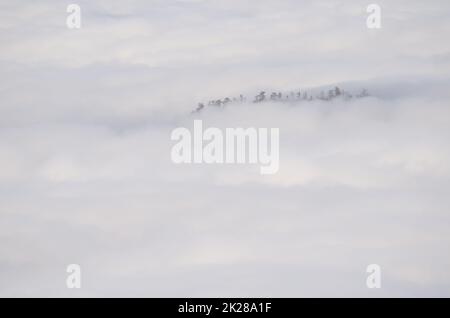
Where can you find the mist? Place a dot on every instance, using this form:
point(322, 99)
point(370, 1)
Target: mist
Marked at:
point(86, 175)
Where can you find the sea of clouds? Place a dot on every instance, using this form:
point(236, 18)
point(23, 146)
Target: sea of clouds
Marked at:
point(86, 175)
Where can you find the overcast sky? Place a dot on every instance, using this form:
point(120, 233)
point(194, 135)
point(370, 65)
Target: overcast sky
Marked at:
point(85, 169)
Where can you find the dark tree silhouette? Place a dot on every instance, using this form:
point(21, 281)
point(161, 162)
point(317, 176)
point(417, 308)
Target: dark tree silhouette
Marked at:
point(260, 97)
point(337, 91)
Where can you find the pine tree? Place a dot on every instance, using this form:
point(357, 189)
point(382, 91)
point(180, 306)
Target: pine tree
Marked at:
point(337, 91)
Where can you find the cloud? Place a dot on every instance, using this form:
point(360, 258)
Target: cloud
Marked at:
point(86, 175)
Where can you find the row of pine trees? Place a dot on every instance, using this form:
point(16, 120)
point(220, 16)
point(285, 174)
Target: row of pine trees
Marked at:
point(290, 97)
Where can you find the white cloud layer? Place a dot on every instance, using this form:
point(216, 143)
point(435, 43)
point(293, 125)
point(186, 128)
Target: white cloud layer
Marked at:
point(86, 175)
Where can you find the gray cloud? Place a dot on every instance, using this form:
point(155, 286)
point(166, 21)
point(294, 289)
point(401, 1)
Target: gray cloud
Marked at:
point(85, 170)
